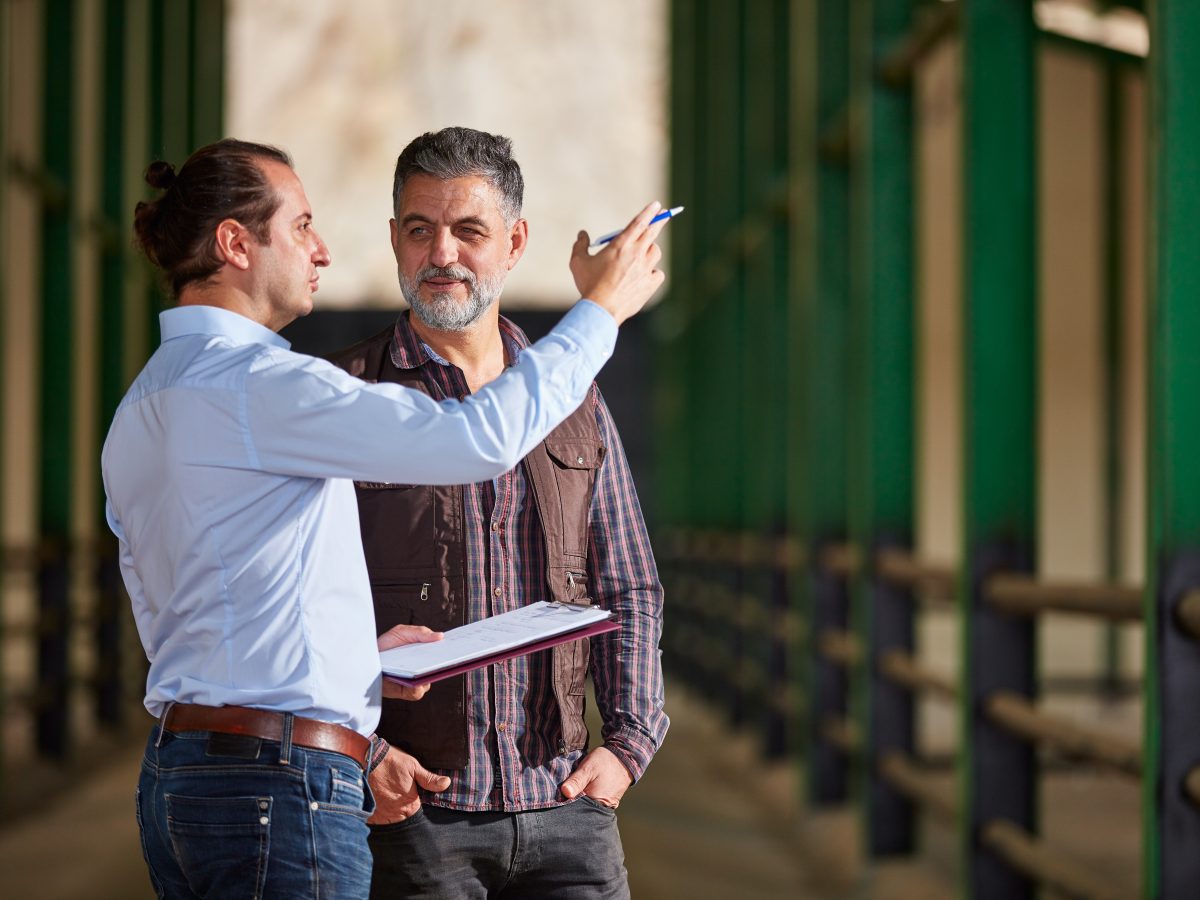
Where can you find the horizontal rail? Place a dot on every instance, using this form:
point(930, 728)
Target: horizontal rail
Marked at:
point(903, 669)
point(904, 569)
point(841, 733)
point(1187, 613)
point(786, 700)
point(898, 770)
point(1024, 595)
point(1020, 717)
point(1045, 865)
point(840, 647)
point(1191, 786)
point(897, 68)
point(841, 559)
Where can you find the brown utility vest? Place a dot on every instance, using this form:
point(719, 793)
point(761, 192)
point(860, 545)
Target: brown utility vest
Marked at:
point(415, 548)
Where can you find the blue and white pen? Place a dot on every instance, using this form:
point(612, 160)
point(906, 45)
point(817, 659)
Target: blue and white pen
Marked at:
point(665, 214)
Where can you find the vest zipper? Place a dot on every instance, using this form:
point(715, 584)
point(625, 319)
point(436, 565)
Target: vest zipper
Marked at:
point(425, 591)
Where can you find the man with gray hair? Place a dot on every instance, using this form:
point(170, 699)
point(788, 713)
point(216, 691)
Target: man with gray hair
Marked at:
point(489, 788)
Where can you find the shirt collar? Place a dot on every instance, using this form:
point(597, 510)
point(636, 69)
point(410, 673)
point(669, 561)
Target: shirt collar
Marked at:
point(409, 352)
point(185, 320)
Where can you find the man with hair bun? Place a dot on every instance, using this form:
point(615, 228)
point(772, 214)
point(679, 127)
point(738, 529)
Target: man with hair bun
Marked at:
point(229, 471)
point(491, 789)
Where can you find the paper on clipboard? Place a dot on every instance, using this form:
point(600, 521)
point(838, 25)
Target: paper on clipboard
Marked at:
point(490, 640)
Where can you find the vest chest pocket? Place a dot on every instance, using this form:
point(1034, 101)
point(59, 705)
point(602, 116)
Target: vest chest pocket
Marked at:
point(576, 461)
point(397, 523)
point(402, 604)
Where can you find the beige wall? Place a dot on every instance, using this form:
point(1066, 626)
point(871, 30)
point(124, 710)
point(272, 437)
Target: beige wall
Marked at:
point(1072, 501)
point(579, 87)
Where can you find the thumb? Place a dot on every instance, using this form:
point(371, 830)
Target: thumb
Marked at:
point(407, 634)
point(429, 781)
point(580, 247)
point(573, 786)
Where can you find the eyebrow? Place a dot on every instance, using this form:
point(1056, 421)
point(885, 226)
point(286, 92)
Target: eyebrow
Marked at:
point(465, 220)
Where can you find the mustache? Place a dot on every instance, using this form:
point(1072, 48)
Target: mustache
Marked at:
point(458, 273)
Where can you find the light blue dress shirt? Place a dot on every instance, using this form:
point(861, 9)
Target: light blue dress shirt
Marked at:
point(228, 472)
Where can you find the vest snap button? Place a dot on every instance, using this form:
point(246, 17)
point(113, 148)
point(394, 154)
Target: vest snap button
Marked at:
point(580, 460)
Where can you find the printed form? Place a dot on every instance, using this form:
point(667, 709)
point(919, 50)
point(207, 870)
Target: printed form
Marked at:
point(484, 641)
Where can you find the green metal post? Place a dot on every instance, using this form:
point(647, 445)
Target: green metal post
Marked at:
point(882, 487)
point(716, 363)
point(111, 374)
point(777, 412)
point(57, 401)
point(998, 775)
point(673, 437)
point(802, 289)
point(763, 381)
point(825, 336)
point(207, 72)
point(171, 104)
point(1172, 681)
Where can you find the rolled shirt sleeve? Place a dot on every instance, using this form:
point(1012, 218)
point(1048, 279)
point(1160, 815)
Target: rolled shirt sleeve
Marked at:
point(626, 664)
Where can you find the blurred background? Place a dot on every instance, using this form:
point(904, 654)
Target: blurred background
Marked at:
point(913, 421)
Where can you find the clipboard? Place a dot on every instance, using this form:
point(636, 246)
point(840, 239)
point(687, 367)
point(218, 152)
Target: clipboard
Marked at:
point(429, 677)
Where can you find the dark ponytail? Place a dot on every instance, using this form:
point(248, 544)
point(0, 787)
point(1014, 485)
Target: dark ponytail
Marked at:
point(225, 180)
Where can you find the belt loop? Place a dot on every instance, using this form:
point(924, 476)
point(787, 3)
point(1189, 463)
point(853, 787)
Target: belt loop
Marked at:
point(285, 742)
point(162, 724)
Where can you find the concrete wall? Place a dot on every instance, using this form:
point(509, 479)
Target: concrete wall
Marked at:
point(579, 87)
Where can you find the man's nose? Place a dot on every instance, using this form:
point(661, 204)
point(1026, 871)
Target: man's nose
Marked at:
point(321, 255)
point(444, 251)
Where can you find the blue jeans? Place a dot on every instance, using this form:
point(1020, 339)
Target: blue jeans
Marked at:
point(571, 851)
point(231, 816)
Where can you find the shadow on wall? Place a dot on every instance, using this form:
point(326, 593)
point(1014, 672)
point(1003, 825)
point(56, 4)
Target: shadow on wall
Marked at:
point(624, 381)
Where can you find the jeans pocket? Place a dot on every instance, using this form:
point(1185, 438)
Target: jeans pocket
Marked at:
point(596, 804)
point(221, 843)
point(141, 824)
point(339, 789)
point(391, 827)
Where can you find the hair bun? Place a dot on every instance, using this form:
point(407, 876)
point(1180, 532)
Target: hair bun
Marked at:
point(160, 175)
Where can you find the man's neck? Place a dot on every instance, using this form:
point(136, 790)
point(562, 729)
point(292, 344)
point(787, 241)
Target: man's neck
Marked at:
point(224, 296)
point(478, 350)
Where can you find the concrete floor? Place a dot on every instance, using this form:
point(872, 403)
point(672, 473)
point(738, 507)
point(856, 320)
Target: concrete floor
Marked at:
point(709, 821)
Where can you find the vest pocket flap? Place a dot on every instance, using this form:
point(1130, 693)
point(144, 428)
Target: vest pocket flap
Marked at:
point(575, 454)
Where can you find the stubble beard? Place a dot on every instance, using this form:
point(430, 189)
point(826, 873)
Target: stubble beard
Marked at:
point(443, 311)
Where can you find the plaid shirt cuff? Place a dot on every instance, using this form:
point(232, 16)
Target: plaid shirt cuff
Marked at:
point(632, 748)
point(379, 749)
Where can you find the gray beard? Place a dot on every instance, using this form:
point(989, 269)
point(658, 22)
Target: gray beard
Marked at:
point(443, 311)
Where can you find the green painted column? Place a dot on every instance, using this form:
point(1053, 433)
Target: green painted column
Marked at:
point(802, 296)
point(673, 435)
point(111, 601)
point(715, 359)
point(1172, 679)
point(763, 382)
point(207, 73)
point(998, 773)
point(881, 483)
point(825, 348)
point(57, 400)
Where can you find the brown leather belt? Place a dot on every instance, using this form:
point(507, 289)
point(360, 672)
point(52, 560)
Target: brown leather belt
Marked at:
point(268, 725)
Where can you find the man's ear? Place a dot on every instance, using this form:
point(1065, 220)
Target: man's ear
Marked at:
point(519, 237)
point(233, 244)
point(394, 229)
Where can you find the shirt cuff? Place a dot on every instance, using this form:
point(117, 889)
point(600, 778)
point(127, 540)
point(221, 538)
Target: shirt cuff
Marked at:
point(632, 748)
point(379, 749)
point(591, 328)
